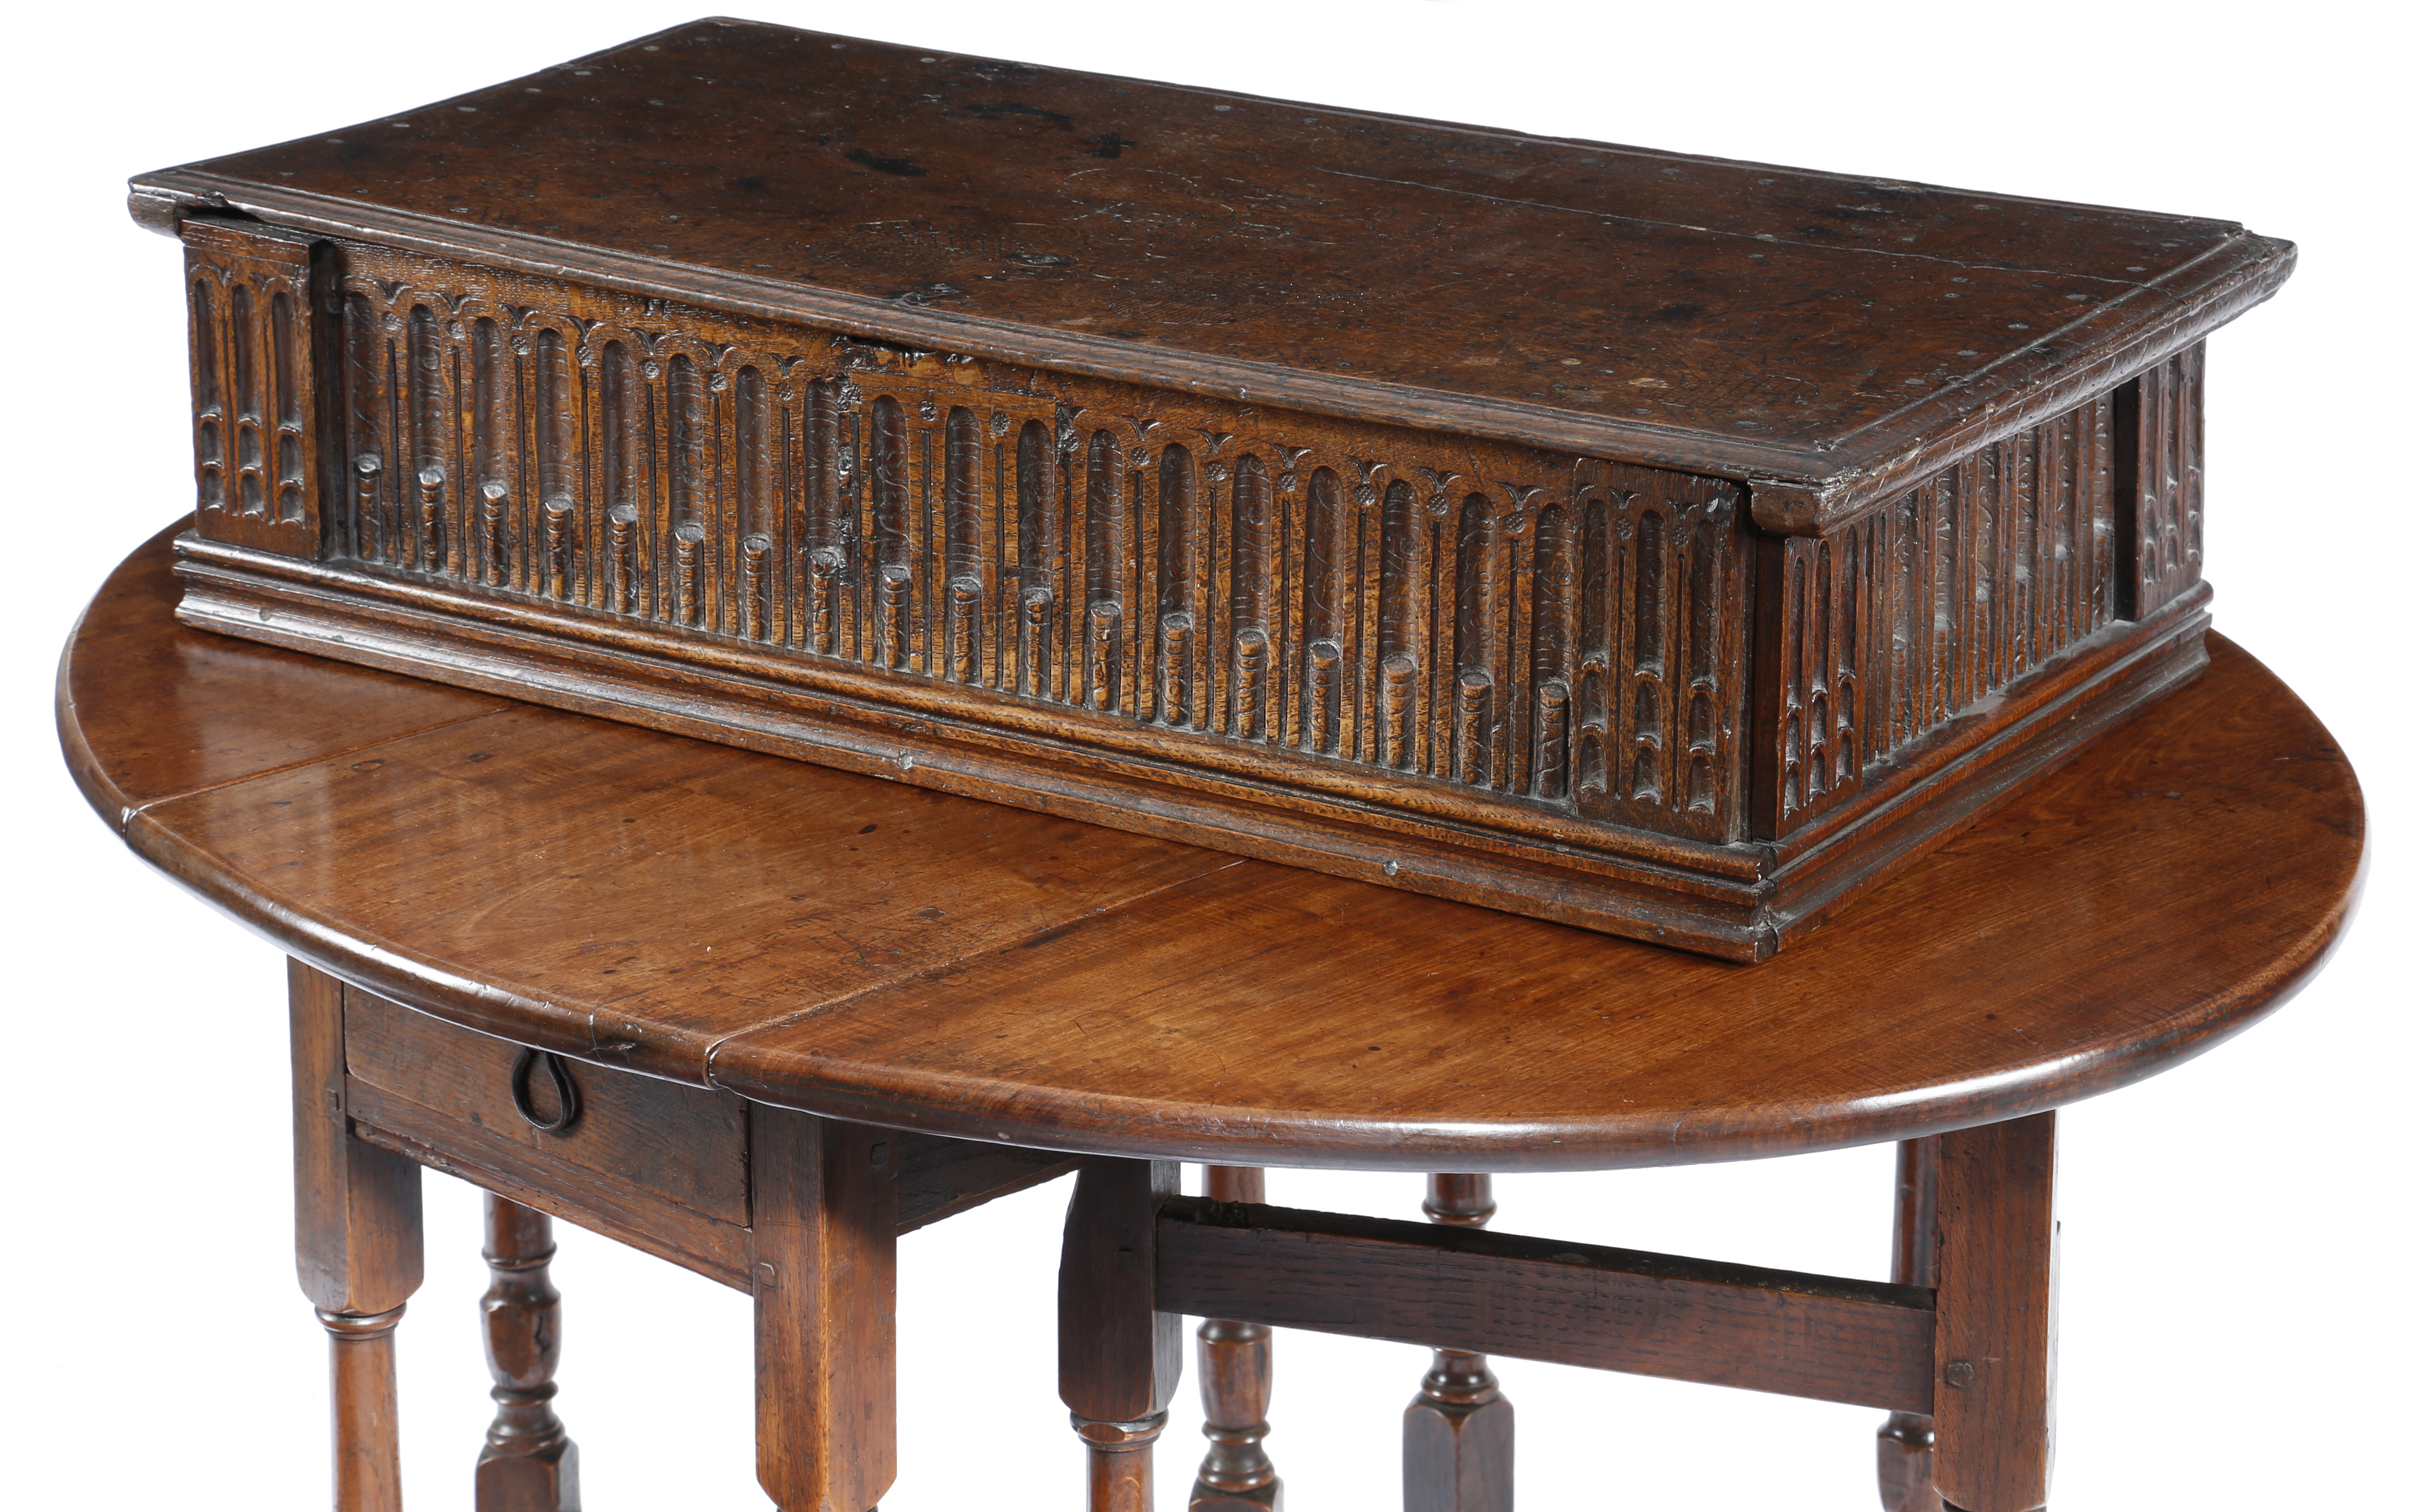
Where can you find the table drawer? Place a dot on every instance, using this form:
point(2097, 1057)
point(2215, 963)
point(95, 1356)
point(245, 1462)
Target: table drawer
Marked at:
point(642, 1156)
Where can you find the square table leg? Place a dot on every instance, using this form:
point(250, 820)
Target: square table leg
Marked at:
point(825, 1274)
point(356, 1245)
point(1908, 1441)
point(1118, 1359)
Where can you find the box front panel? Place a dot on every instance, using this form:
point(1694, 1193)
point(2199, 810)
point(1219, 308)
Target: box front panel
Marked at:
point(1550, 634)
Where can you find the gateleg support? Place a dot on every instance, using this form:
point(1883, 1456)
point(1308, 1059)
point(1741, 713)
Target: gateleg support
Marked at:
point(1118, 1359)
point(1907, 1441)
point(1236, 1384)
point(825, 1281)
point(1459, 1433)
point(1994, 1390)
point(529, 1463)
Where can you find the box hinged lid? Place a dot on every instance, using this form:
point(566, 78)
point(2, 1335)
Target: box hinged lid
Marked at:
point(1828, 339)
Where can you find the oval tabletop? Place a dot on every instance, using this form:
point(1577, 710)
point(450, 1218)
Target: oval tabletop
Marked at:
point(856, 948)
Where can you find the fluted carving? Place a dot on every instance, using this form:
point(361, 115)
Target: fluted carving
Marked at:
point(2159, 444)
point(756, 610)
point(369, 539)
point(1986, 572)
point(494, 542)
point(687, 558)
point(1330, 590)
point(622, 538)
point(431, 520)
point(1473, 668)
point(896, 616)
point(256, 422)
point(557, 548)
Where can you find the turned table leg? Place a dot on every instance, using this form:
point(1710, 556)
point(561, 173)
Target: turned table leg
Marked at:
point(1906, 1468)
point(1457, 1437)
point(1235, 1379)
point(825, 1254)
point(529, 1463)
point(356, 1245)
point(1994, 1395)
point(360, 1377)
point(1118, 1359)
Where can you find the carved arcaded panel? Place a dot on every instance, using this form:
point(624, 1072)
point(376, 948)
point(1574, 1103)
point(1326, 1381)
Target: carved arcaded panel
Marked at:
point(255, 376)
point(2160, 418)
point(1660, 621)
point(1890, 628)
point(1557, 631)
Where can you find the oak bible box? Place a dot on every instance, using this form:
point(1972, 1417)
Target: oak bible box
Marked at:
point(1658, 544)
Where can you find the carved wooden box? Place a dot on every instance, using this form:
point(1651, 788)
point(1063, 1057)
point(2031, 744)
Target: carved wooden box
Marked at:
point(1658, 544)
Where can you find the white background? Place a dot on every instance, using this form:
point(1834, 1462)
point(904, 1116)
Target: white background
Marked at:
point(2234, 1318)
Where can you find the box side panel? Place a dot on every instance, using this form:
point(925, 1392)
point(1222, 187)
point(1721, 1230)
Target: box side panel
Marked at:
point(253, 309)
point(1877, 637)
point(2159, 480)
point(1557, 635)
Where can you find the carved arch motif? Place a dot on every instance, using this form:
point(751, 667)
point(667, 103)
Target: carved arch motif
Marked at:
point(1451, 610)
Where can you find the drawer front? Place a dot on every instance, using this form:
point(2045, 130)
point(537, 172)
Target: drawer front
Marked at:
point(646, 1137)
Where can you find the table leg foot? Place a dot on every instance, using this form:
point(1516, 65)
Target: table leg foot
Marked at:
point(1906, 1458)
point(529, 1463)
point(1458, 1440)
point(532, 1480)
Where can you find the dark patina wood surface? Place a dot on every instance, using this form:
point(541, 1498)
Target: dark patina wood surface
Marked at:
point(1566, 293)
point(885, 953)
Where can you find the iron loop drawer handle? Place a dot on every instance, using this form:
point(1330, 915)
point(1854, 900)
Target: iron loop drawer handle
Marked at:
point(566, 1091)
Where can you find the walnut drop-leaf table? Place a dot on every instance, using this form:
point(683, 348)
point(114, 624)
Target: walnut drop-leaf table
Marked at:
point(757, 1017)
